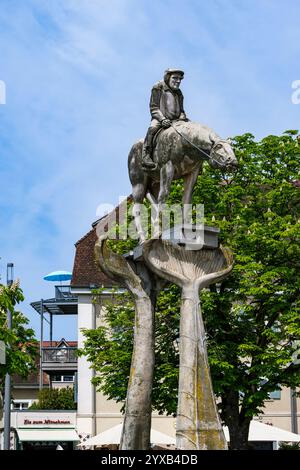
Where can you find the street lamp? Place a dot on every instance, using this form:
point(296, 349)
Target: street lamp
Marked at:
point(9, 281)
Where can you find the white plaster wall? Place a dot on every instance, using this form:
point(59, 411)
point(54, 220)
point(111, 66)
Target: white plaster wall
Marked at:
point(86, 392)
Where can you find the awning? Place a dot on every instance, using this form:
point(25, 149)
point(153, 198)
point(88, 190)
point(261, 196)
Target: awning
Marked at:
point(257, 432)
point(265, 432)
point(113, 436)
point(49, 434)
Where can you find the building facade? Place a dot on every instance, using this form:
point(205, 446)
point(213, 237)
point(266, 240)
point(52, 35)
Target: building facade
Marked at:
point(44, 429)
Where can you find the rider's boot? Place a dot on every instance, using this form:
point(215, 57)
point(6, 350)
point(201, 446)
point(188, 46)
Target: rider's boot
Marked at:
point(147, 161)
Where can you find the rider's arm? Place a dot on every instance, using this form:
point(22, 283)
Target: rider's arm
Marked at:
point(182, 112)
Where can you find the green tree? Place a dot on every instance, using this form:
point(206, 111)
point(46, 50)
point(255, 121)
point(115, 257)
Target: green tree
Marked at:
point(55, 399)
point(252, 318)
point(109, 348)
point(20, 342)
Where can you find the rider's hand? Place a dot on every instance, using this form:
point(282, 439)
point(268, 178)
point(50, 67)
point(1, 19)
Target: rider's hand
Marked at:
point(166, 123)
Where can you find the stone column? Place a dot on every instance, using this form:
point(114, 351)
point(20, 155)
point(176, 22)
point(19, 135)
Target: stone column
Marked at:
point(198, 423)
point(142, 284)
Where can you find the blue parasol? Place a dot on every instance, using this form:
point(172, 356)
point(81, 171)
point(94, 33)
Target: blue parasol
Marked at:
point(58, 276)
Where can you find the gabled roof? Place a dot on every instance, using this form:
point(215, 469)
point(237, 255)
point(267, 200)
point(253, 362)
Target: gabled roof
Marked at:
point(86, 273)
point(61, 342)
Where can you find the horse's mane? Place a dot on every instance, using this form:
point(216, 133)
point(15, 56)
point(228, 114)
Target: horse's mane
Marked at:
point(195, 131)
point(190, 126)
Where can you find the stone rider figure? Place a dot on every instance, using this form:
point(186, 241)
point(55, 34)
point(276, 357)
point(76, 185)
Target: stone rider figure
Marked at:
point(166, 105)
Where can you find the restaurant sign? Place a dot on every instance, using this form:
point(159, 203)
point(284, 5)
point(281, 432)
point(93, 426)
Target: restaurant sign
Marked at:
point(45, 419)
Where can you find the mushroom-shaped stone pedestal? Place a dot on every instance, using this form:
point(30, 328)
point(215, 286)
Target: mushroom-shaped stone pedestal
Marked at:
point(198, 423)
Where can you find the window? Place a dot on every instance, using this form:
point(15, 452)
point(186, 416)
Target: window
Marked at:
point(63, 378)
point(18, 405)
point(68, 378)
point(276, 395)
point(57, 378)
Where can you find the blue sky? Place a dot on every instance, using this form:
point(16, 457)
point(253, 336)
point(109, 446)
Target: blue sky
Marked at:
point(78, 75)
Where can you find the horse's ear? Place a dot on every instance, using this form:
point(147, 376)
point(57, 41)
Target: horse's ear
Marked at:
point(229, 140)
point(212, 138)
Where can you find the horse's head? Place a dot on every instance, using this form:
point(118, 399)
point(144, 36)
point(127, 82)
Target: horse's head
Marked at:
point(222, 155)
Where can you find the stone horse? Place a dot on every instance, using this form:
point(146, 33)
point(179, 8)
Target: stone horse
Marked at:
point(179, 153)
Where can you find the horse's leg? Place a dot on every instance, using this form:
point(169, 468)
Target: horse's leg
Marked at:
point(155, 187)
point(139, 181)
point(152, 193)
point(151, 198)
point(166, 178)
point(138, 193)
point(189, 182)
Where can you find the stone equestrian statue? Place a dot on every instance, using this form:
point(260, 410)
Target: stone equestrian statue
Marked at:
point(179, 151)
point(166, 105)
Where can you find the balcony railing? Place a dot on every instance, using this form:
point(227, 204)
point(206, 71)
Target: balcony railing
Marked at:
point(60, 355)
point(63, 292)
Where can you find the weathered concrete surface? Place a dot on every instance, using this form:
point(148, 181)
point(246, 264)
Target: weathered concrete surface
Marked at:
point(137, 420)
point(198, 424)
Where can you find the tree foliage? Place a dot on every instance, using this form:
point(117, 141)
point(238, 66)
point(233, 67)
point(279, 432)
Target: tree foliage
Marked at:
point(55, 399)
point(21, 345)
point(252, 318)
point(109, 348)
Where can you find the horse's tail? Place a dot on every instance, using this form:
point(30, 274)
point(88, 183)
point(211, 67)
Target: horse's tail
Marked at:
point(135, 161)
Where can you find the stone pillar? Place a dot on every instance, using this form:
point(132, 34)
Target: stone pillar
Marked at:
point(198, 424)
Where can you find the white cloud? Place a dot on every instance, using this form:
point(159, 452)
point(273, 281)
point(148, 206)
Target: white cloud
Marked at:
point(78, 76)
